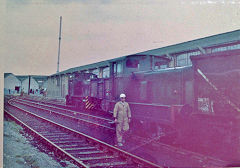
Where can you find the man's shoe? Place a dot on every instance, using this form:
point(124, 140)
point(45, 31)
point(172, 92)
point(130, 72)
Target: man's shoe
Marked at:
point(120, 144)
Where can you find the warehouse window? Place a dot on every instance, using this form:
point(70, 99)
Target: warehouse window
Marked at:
point(119, 67)
point(96, 72)
point(184, 59)
point(225, 48)
point(106, 72)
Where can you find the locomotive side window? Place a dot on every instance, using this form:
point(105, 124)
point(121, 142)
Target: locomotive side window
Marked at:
point(132, 63)
point(160, 65)
point(118, 68)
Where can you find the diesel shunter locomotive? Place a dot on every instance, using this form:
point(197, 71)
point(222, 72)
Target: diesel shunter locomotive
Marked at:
point(199, 103)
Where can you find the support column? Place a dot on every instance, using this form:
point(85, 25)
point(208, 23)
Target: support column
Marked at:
point(101, 72)
point(201, 50)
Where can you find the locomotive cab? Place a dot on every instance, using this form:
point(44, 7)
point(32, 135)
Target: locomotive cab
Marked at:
point(78, 88)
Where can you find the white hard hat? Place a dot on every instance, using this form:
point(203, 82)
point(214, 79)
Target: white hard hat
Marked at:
point(122, 95)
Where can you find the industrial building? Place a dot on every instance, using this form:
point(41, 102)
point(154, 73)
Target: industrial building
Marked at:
point(178, 56)
point(12, 84)
point(15, 84)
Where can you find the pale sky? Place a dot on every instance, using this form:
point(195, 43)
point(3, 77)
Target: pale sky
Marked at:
point(97, 30)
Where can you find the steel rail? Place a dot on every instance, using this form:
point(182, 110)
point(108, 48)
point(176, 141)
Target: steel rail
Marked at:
point(47, 101)
point(88, 115)
point(62, 110)
point(71, 117)
point(48, 142)
point(130, 158)
point(204, 159)
point(198, 156)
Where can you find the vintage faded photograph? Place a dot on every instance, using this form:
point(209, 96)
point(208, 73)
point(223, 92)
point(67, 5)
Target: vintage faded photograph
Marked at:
point(105, 83)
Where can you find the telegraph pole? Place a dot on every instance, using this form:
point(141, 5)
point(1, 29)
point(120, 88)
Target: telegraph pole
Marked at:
point(59, 43)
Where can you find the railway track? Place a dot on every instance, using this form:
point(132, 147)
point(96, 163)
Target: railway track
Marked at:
point(79, 148)
point(85, 118)
point(139, 142)
point(62, 105)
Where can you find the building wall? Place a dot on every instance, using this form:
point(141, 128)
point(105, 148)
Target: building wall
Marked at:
point(54, 86)
point(45, 84)
point(57, 86)
point(33, 84)
point(10, 82)
point(64, 85)
point(52, 89)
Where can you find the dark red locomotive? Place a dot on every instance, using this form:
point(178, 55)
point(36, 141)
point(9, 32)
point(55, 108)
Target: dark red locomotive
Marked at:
point(198, 103)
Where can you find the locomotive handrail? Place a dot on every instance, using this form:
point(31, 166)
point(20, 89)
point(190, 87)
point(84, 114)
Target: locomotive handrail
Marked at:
point(147, 104)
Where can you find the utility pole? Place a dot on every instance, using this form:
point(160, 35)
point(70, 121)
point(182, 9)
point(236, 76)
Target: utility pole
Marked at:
point(59, 43)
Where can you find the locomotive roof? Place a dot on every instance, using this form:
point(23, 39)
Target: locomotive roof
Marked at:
point(181, 47)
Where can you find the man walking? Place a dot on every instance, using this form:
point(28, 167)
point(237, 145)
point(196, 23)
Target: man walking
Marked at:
point(122, 115)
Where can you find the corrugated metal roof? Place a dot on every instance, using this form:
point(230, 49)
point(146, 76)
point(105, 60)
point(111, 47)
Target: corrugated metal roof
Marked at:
point(21, 77)
point(37, 78)
point(7, 74)
point(190, 45)
point(89, 66)
point(194, 44)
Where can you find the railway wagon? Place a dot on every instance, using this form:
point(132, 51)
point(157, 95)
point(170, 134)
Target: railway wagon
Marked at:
point(216, 117)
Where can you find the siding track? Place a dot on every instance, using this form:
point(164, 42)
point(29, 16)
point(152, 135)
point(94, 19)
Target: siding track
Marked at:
point(79, 148)
point(85, 118)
